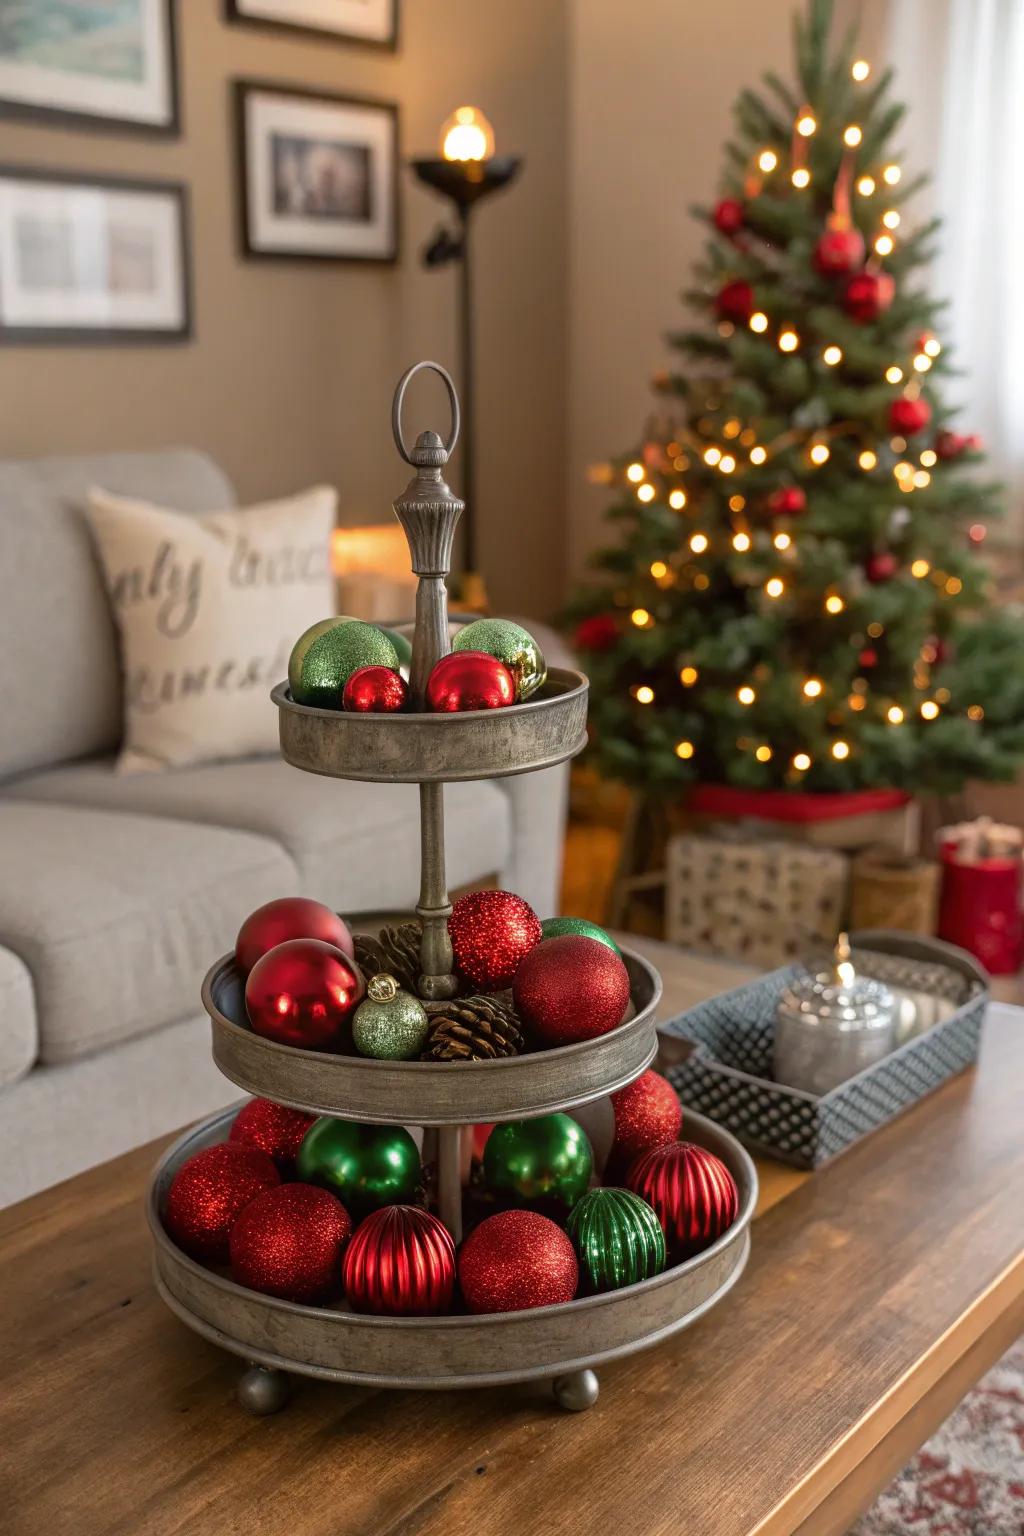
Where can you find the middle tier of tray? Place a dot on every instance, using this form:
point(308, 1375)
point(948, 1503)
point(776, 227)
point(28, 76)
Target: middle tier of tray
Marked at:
point(431, 1093)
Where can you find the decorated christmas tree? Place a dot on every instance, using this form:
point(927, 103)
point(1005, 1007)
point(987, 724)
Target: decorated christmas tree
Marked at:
point(796, 598)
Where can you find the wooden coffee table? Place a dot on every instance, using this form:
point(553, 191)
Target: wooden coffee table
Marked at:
point(878, 1290)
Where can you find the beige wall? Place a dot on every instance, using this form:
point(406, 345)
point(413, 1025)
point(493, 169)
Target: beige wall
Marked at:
point(290, 374)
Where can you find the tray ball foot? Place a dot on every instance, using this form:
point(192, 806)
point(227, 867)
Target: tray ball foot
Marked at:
point(576, 1391)
point(262, 1390)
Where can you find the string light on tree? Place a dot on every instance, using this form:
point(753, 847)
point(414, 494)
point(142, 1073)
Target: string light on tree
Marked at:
point(867, 459)
point(774, 587)
point(884, 245)
point(891, 219)
point(758, 455)
point(684, 749)
point(812, 688)
point(932, 346)
point(688, 676)
point(746, 694)
point(767, 160)
point(894, 374)
point(802, 762)
point(698, 543)
point(645, 492)
point(788, 340)
point(644, 694)
point(782, 540)
point(866, 186)
point(712, 456)
point(758, 321)
point(763, 753)
point(727, 464)
point(834, 603)
point(659, 570)
point(929, 709)
point(840, 750)
point(806, 125)
point(920, 569)
point(641, 618)
point(894, 715)
point(801, 177)
point(832, 355)
point(635, 473)
point(860, 69)
point(677, 500)
point(852, 136)
point(741, 542)
point(891, 175)
point(819, 454)
point(929, 458)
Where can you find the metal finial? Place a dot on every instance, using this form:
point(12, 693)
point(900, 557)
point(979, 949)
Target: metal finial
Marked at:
point(427, 441)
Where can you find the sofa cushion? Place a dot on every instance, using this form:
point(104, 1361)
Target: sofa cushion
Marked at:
point(118, 917)
point(60, 691)
point(356, 846)
point(19, 1038)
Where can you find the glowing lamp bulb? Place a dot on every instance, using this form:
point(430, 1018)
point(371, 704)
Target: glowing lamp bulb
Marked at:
point(891, 219)
point(467, 136)
point(932, 346)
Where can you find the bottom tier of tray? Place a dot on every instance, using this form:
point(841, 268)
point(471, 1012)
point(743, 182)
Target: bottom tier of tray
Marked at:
point(452, 1351)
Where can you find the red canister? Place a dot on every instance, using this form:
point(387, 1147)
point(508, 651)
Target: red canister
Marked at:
point(980, 909)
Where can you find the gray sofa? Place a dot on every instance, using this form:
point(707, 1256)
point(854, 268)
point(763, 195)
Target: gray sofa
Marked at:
point(116, 893)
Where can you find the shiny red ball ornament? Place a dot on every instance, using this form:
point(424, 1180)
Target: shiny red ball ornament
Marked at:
point(881, 566)
point(491, 932)
point(400, 1263)
point(375, 691)
point(692, 1191)
point(466, 680)
point(647, 1114)
point(290, 917)
point(735, 301)
point(838, 251)
point(729, 216)
point(303, 993)
point(598, 633)
point(288, 1242)
point(868, 295)
point(209, 1192)
point(274, 1128)
point(908, 417)
point(787, 501)
point(868, 658)
point(516, 1260)
point(571, 988)
point(949, 445)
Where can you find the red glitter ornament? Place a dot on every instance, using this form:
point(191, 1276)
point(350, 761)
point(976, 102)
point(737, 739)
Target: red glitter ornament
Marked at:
point(868, 295)
point(302, 993)
point(491, 931)
point(647, 1114)
point(787, 501)
point(209, 1191)
point(290, 917)
point(467, 680)
point(729, 215)
point(571, 988)
point(838, 251)
point(692, 1191)
point(274, 1128)
point(907, 417)
point(881, 566)
point(288, 1242)
point(375, 691)
point(735, 301)
point(516, 1260)
point(598, 633)
point(400, 1263)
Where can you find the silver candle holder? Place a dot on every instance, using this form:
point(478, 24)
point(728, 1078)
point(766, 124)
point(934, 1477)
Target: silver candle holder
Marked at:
point(832, 1023)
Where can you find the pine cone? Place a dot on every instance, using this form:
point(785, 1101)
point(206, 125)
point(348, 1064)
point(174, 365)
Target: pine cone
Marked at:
point(395, 951)
point(472, 1029)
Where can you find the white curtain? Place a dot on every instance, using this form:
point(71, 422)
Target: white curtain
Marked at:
point(960, 67)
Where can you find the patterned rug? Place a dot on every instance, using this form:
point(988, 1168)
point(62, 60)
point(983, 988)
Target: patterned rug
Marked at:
point(969, 1478)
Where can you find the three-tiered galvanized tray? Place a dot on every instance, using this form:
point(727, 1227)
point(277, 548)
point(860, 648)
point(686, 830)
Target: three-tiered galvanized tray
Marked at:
point(560, 1342)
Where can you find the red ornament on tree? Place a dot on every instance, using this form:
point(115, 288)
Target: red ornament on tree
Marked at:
point(692, 1191)
point(647, 1114)
point(881, 566)
point(868, 658)
point(838, 251)
point(302, 993)
point(274, 1128)
point(907, 417)
point(950, 445)
point(598, 633)
point(400, 1263)
point(729, 215)
point(288, 1242)
point(735, 301)
point(209, 1192)
point(787, 501)
point(516, 1260)
point(375, 691)
point(491, 931)
point(466, 680)
point(290, 917)
point(868, 295)
point(571, 988)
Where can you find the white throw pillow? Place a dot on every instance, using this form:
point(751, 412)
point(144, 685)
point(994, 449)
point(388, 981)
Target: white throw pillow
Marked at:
point(208, 608)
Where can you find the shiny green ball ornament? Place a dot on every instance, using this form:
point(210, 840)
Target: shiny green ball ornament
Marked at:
point(390, 1025)
point(510, 643)
point(324, 658)
point(557, 927)
point(366, 1166)
point(403, 645)
point(544, 1164)
point(618, 1239)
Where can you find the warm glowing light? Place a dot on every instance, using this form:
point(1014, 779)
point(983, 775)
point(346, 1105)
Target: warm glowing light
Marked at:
point(701, 582)
point(746, 695)
point(860, 69)
point(894, 715)
point(891, 175)
point(658, 569)
point(975, 712)
point(698, 543)
point(929, 457)
point(788, 341)
point(712, 456)
point(834, 603)
point(737, 503)
point(840, 750)
point(813, 687)
point(920, 569)
point(976, 532)
point(922, 362)
point(688, 676)
point(819, 454)
point(801, 177)
point(635, 473)
point(801, 762)
point(932, 346)
point(727, 463)
point(763, 753)
point(775, 586)
point(898, 444)
point(677, 500)
point(954, 585)
point(645, 492)
point(684, 749)
point(942, 695)
point(758, 321)
point(782, 540)
point(891, 219)
point(902, 469)
point(929, 709)
point(741, 542)
point(832, 356)
point(884, 245)
point(876, 630)
point(866, 185)
point(867, 459)
point(857, 701)
point(467, 135)
point(852, 136)
point(732, 427)
point(893, 374)
point(922, 480)
point(767, 160)
point(805, 125)
point(758, 455)
point(643, 694)
point(641, 618)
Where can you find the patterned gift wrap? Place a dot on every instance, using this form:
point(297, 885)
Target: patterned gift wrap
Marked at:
point(943, 994)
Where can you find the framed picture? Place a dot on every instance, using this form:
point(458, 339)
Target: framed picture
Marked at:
point(353, 21)
point(319, 174)
point(86, 259)
point(102, 63)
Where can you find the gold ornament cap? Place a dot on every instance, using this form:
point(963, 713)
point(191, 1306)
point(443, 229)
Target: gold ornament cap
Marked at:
point(382, 988)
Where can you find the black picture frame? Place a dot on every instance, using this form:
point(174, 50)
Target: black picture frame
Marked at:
point(300, 29)
point(242, 89)
point(108, 336)
point(66, 117)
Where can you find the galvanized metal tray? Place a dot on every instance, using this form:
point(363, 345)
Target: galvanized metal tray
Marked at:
point(451, 1351)
point(433, 749)
point(431, 1093)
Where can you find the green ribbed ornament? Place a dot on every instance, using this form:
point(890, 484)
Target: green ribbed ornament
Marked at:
point(557, 927)
point(510, 643)
point(324, 658)
point(617, 1238)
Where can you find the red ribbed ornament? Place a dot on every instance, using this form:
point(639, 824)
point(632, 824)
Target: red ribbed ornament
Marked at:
point(209, 1192)
point(571, 988)
point(647, 1114)
point(288, 1242)
point(516, 1260)
point(375, 691)
point(692, 1191)
point(302, 993)
point(274, 1128)
point(290, 917)
point(467, 680)
point(400, 1263)
point(491, 931)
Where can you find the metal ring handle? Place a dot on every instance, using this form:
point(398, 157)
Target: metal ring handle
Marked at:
point(396, 408)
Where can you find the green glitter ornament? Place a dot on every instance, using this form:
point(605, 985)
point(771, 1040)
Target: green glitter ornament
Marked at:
point(618, 1239)
point(544, 1163)
point(390, 1025)
point(366, 1166)
point(557, 927)
point(324, 658)
point(510, 643)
